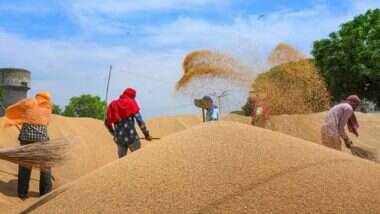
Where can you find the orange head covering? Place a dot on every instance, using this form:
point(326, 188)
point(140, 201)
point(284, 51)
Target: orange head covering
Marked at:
point(35, 110)
point(44, 100)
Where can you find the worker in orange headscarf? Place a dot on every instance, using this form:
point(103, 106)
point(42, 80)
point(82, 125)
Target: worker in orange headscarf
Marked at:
point(33, 114)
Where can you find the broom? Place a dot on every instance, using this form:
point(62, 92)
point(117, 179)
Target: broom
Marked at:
point(364, 151)
point(40, 155)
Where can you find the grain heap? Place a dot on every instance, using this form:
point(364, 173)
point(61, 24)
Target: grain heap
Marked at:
point(95, 149)
point(209, 64)
point(226, 168)
point(284, 53)
point(308, 127)
point(293, 88)
point(166, 125)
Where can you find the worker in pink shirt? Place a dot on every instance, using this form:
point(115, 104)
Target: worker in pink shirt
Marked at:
point(336, 120)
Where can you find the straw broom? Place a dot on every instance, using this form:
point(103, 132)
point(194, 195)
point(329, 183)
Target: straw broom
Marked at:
point(364, 151)
point(40, 155)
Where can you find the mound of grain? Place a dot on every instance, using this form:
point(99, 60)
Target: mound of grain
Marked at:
point(238, 118)
point(308, 127)
point(211, 64)
point(284, 53)
point(226, 168)
point(293, 88)
point(95, 149)
point(166, 125)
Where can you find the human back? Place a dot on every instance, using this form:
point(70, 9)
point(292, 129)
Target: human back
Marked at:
point(120, 122)
point(335, 114)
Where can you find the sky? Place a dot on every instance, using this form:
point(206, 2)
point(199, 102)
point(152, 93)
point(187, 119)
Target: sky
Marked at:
point(68, 45)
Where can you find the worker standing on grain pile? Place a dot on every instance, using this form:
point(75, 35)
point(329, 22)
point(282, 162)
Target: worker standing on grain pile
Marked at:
point(212, 111)
point(337, 118)
point(260, 109)
point(260, 113)
point(34, 115)
point(120, 122)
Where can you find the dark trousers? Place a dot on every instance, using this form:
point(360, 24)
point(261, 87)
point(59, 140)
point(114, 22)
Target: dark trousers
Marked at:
point(24, 174)
point(122, 149)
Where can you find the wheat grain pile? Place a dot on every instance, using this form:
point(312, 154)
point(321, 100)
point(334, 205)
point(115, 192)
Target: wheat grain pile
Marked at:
point(293, 88)
point(308, 127)
point(226, 167)
point(165, 125)
point(284, 53)
point(94, 148)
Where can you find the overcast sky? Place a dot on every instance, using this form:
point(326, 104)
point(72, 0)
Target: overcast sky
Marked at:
point(69, 44)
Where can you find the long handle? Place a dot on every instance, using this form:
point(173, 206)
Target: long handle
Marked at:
point(153, 138)
point(107, 89)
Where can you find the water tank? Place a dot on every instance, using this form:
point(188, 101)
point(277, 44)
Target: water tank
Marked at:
point(14, 85)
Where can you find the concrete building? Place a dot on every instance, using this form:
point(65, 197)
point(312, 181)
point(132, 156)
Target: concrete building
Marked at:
point(14, 85)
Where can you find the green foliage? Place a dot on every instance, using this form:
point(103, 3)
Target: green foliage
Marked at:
point(1, 95)
point(349, 60)
point(85, 106)
point(57, 109)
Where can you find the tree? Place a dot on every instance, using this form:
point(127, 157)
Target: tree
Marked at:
point(349, 60)
point(85, 106)
point(57, 109)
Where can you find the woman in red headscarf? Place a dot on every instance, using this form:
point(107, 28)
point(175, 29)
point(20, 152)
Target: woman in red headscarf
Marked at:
point(337, 118)
point(120, 121)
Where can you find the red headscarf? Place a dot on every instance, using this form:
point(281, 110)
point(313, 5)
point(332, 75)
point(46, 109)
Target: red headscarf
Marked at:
point(123, 107)
point(353, 124)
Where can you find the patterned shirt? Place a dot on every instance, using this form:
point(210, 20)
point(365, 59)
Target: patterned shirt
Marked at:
point(125, 132)
point(33, 133)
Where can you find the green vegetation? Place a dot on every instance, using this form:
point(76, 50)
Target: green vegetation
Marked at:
point(57, 109)
point(349, 60)
point(85, 106)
